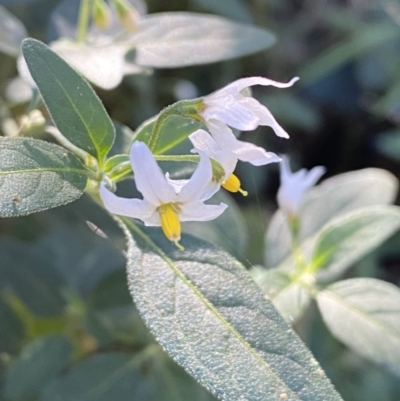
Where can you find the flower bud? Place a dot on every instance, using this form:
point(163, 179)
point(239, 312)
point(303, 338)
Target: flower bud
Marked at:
point(101, 14)
point(127, 15)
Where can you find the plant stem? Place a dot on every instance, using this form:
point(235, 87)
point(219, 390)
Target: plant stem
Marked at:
point(168, 111)
point(83, 20)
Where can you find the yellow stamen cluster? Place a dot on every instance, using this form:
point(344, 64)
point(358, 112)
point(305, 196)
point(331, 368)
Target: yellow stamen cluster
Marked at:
point(232, 184)
point(170, 222)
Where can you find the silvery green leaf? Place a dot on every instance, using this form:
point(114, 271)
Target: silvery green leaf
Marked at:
point(205, 310)
point(364, 313)
point(74, 106)
point(12, 32)
point(169, 40)
point(332, 198)
point(346, 239)
point(146, 376)
point(29, 273)
point(37, 175)
point(288, 294)
point(40, 362)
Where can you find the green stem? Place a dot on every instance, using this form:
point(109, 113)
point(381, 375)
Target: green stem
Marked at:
point(83, 20)
point(168, 111)
point(177, 158)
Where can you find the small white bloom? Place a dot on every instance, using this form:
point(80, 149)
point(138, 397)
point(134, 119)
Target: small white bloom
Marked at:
point(165, 203)
point(294, 185)
point(227, 156)
point(230, 107)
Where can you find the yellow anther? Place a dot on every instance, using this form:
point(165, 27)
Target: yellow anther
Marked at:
point(170, 223)
point(232, 184)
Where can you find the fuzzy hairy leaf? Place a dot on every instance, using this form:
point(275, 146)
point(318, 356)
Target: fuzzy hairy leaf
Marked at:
point(74, 106)
point(364, 313)
point(37, 175)
point(209, 315)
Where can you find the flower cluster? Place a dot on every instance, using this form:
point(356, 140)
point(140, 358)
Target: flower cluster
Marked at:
point(168, 202)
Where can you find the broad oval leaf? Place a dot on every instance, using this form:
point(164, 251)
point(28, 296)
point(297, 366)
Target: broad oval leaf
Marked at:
point(37, 175)
point(145, 376)
point(169, 40)
point(209, 315)
point(39, 363)
point(12, 32)
point(74, 106)
point(29, 272)
point(364, 313)
point(332, 198)
point(347, 239)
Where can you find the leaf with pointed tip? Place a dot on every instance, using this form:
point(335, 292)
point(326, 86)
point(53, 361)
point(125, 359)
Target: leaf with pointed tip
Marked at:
point(168, 40)
point(209, 315)
point(74, 106)
point(345, 240)
point(37, 175)
point(333, 198)
point(364, 313)
point(40, 362)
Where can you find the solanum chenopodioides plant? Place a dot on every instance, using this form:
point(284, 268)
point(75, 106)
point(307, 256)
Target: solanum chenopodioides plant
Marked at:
point(315, 237)
point(199, 303)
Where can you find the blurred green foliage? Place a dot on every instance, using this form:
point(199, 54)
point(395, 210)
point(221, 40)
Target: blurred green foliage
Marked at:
point(67, 323)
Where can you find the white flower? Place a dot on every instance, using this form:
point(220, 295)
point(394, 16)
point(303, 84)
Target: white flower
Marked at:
point(165, 203)
point(294, 185)
point(229, 107)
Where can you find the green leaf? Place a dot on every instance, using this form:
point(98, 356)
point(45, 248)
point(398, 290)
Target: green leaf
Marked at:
point(207, 313)
point(146, 376)
point(30, 274)
point(40, 362)
point(37, 175)
point(347, 239)
point(333, 198)
point(173, 132)
point(288, 294)
point(74, 106)
point(168, 40)
point(83, 259)
point(12, 331)
point(364, 313)
point(12, 32)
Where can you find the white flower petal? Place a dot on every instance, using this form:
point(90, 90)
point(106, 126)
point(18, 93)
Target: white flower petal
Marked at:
point(244, 151)
point(263, 116)
point(149, 178)
point(253, 154)
point(294, 185)
point(176, 184)
point(136, 208)
point(198, 211)
point(314, 175)
point(199, 181)
point(203, 141)
point(240, 84)
point(232, 112)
